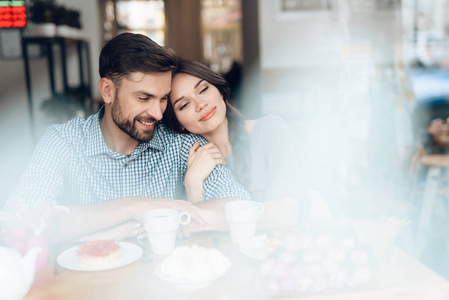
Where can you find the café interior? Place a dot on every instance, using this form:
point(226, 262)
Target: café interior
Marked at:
point(360, 82)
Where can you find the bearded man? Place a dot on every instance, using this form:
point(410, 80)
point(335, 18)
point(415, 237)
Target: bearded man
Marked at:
point(113, 166)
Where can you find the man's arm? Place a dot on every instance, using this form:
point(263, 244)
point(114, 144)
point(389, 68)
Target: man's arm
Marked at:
point(127, 230)
point(83, 220)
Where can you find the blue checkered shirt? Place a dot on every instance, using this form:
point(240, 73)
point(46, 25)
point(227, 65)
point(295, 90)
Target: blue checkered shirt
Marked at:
point(72, 165)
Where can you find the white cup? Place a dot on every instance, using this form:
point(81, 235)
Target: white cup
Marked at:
point(242, 216)
point(161, 226)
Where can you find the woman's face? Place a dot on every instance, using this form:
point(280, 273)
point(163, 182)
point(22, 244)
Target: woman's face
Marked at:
point(198, 105)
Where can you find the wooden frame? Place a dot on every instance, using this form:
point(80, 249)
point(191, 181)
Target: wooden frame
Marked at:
point(299, 9)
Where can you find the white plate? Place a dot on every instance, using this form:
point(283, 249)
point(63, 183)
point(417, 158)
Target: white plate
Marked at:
point(186, 283)
point(255, 247)
point(69, 258)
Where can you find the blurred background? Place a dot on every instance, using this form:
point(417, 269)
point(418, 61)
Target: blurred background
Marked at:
point(359, 81)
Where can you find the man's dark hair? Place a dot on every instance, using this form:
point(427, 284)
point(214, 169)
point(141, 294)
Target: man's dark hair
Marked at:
point(130, 52)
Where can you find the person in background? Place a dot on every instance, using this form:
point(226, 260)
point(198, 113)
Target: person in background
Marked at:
point(439, 131)
point(261, 153)
point(113, 166)
point(436, 142)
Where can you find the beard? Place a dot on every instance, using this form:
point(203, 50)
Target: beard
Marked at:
point(129, 126)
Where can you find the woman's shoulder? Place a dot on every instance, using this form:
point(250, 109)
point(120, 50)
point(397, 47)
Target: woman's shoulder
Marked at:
point(270, 117)
point(249, 125)
point(269, 122)
point(273, 130)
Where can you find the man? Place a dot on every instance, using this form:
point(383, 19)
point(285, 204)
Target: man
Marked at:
point(115, 165)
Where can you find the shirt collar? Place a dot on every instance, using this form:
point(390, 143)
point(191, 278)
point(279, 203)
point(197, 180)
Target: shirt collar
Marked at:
point(96, 144)
point(157, 142)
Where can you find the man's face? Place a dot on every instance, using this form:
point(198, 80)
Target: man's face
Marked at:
point(140, 102)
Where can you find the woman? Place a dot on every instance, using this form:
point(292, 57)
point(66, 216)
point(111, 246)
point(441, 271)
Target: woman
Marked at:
point(261, 153)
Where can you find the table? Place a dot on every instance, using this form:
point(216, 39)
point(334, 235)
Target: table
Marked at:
point(398, 276)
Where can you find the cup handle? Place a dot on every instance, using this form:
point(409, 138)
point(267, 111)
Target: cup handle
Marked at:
point(187, 218)
point(262, 207)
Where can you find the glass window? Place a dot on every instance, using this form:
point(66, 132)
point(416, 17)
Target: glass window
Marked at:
point(138, 16)
point(222, 34)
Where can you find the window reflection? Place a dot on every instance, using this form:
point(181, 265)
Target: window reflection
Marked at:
point(138, 16)
point(222, 38)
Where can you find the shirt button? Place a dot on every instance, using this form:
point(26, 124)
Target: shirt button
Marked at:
point(125, 165)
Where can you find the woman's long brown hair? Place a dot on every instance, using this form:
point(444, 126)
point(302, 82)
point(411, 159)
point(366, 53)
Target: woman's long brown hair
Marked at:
point(238, 136)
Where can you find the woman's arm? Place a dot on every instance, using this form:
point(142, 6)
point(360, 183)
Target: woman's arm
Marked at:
point(201, 162)
point(278, 213)
point(275, 154)
point(282, 212)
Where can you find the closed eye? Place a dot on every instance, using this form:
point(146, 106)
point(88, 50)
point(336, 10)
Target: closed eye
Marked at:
point(143, 98)
point(184, 105)
point(205, 89)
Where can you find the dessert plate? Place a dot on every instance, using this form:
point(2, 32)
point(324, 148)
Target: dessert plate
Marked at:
point(69, 258)
point(255, 247)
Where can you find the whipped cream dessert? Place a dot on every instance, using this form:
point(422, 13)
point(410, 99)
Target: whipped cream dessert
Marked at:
point(194, 264)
